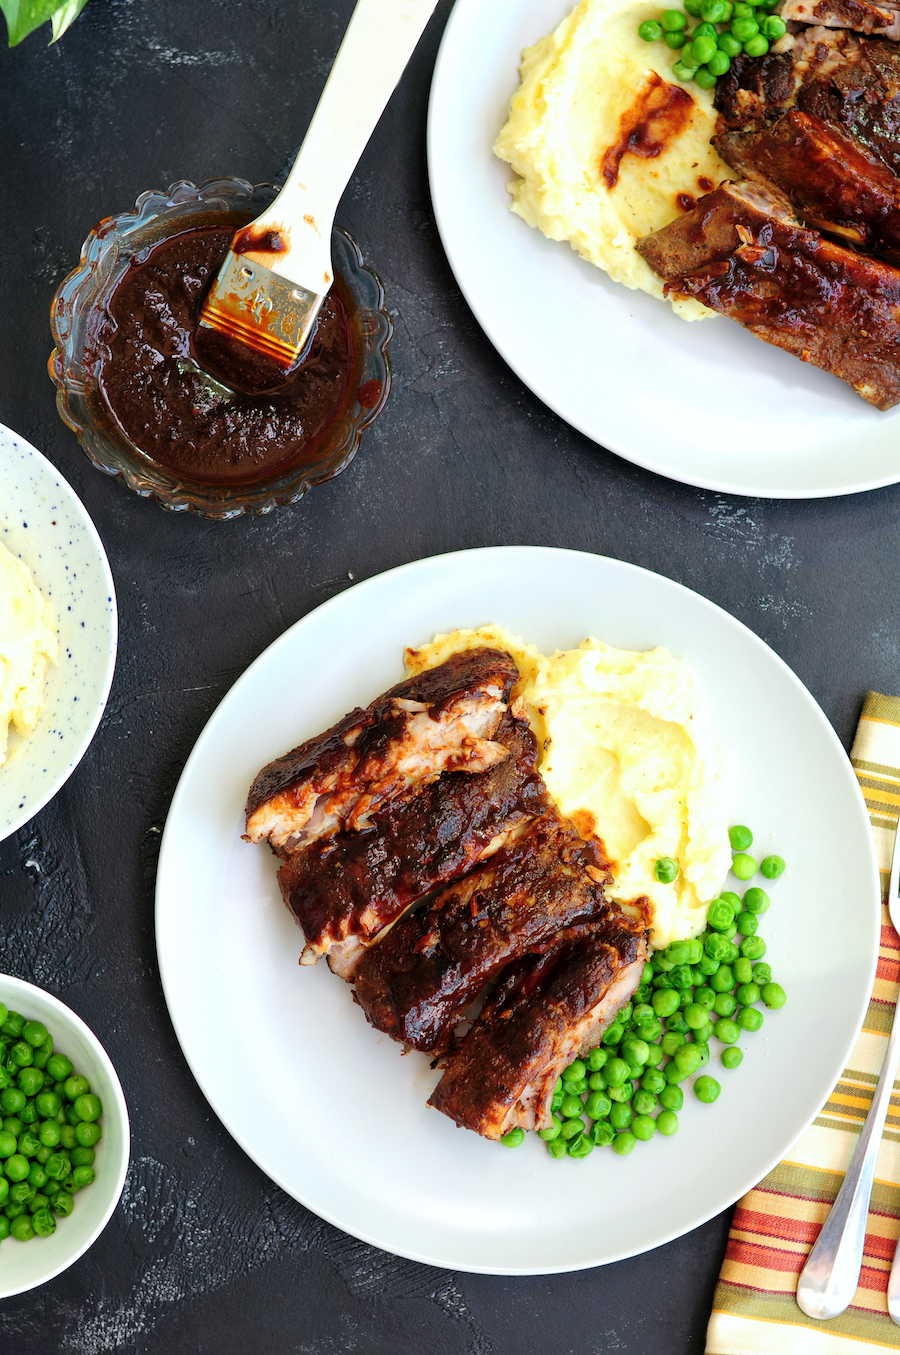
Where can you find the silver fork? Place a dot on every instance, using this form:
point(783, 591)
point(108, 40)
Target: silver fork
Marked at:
point(829, 1279)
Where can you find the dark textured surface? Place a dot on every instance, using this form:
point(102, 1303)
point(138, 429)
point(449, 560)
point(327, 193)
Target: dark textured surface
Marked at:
point(205, 1255)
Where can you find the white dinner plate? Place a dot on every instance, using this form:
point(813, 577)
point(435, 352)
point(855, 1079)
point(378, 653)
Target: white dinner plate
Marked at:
point(44, 523)
point(328, 1107)
point(702, 402)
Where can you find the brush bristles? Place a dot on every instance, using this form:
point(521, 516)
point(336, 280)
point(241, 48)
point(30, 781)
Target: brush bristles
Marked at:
point(260, 340)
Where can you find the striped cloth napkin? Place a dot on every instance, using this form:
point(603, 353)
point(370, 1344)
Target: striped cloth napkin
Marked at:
point(774, 1226)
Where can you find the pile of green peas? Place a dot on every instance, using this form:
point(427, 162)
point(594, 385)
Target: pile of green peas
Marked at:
point(706, 51)
point(628, 1089)
point(48, 1132)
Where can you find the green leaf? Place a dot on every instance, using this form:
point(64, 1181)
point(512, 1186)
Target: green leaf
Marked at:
point(24, 16)
point(64, 14)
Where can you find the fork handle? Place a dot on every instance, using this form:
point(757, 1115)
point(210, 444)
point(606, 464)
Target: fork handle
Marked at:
point(829, 1279)
point(380, 39)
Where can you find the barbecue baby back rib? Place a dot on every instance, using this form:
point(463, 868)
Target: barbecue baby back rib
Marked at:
point(345, 890)
point(415, 983)
point(441, 720)
point(545, 1011)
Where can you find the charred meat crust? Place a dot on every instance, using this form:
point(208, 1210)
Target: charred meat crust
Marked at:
point(358, 764)
point(831, 184)
point(861, 15)
point(742, 253)
point(357, 884)
point(415, 983)
point(546, 1010)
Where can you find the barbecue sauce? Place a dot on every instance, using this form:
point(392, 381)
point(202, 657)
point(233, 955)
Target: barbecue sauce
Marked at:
point(150, 384)
point(657, 117)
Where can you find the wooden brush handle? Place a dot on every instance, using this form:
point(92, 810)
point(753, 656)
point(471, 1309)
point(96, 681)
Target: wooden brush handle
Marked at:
point(376, 49)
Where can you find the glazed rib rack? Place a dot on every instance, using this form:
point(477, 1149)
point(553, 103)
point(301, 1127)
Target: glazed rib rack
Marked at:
point(421, 855)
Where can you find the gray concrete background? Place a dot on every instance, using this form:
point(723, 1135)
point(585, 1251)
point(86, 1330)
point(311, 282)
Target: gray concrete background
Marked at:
point(206, 1255)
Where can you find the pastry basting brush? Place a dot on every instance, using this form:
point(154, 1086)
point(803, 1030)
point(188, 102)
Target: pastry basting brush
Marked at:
point(262, 307)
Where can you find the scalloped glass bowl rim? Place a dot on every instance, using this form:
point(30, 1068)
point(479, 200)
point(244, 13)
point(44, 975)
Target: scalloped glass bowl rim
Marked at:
point(105, 251)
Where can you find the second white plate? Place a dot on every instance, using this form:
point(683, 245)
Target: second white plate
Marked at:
point(328, 1107)
point(704, 403)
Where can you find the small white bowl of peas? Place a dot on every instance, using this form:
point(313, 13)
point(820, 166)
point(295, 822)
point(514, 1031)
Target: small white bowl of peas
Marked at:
point(64, 1137)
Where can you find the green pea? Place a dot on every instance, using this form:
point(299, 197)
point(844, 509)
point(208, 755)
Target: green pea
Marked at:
point(677, 952)
point(12, 1100)
point(756, 901)
point(7, 1143)
point(703, 1047)
point(673, 20)
point(570, 1128)
point(12, 1211)
point(76, 1086)
point(704, 1033)
point(747, 924)
point(571, 1106)
point(612, 1035)
point(672, 1041)
point(49, 1134)
point(643, 1128)
point(623, 1093)
point(673, 1073)
point(22, 1192)
point(704, 48)
point(773, 995)
point(733, 954)
point(725, 1004)
point(13, 1024)
point(38, 1176)
point(708, 965)
point(762, 974)
point(44, 1223)
point(732, 1057)
point(757, 46)
point(63, 1203)
point(581, 1146)
point(703, 997)
point(59, 1067)
point(57, 1166)
point(16, 1167)
point(747, 994)
point(574, 1073)
point(753, 948)
point(716, 948)
point(34, 1032)
point(671, 1098)
point(21, 1228)
point(681, 978)
point(723, 979)
point(727, 1031)
point(597, 1059)
point(48, 1104)
point(635, 1051)
point(650, 1031)
point(713, 12)
point(602, 1134)
point(67, 1136)
point(621, 1115)
point(548, 1135)
point(21, 1055)
point(693, 7)
point(653, 1081)
point(650, 30)
point(83, 1176)
point(28, 1144)
point(666, 868)
point(695, 1015)
point(30, 1081)
point(655, 1058)
point(597, 1082)
point(729, 44)
point(13, 1125)
point(677, 1023)
point(667, 1123)
point(750, 1018)
point(598, 1106)
point(661, 962)
point(570, 1089)
point(719, 63)
point(624, 1143)
point(743, 865)
point(615, 1072)
point(743, 970)
point(644, 1103)
point(740, 836)
point(720, 916)
point(707, 1089)
point(688, 1060)
point(665, 1003)
point(772, 866)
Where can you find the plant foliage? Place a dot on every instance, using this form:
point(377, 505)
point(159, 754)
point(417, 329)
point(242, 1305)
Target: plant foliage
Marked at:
point(24, 16)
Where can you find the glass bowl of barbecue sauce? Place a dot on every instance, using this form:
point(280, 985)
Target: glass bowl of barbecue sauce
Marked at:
point(131, 387)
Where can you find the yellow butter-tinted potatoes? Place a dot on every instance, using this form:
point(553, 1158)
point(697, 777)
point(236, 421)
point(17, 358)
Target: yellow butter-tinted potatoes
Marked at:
point(626, 751)
point(27, 643)
point(582, 87)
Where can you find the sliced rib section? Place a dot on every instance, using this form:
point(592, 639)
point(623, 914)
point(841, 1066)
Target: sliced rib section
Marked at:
point(861, 15)
point(830, 183)
point(742, 252)
point(347, 889)
point(417, 981)
point(546, 1010)
point(441, 720)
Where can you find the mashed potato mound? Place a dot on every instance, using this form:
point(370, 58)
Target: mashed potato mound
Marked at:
point(627, 753)
point(27, 643)
point(582, 87)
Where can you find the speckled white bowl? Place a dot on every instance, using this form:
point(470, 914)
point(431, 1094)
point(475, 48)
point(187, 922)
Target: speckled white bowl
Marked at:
point(44, 523)
point(24, 1265)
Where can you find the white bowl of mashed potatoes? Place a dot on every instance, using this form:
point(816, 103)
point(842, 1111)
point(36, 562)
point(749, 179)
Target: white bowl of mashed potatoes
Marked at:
point(59, 630)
